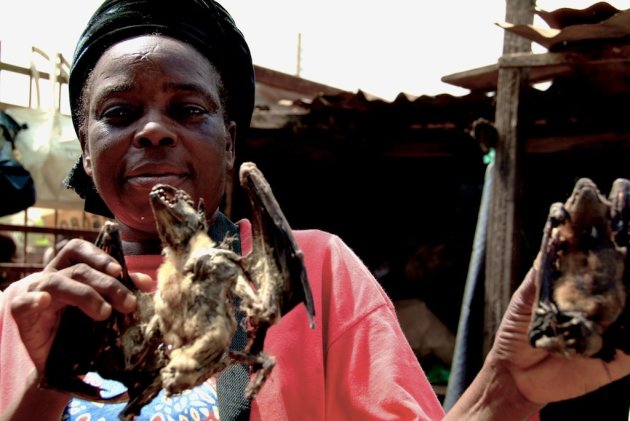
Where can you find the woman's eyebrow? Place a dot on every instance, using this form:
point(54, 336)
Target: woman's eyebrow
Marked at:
point(192, 88)
point(123, 87)
point(110, 90)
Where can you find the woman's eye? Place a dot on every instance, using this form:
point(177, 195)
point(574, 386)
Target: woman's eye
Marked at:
point(188, 111)
point(118, 115)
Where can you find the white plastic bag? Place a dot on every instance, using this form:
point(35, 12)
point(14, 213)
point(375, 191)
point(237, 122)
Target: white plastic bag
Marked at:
point(48, 148)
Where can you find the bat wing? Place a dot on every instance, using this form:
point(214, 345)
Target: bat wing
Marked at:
point(543, 318)
point(275, 261)
point(79, 339)
point(108, 239)
point(620, 220)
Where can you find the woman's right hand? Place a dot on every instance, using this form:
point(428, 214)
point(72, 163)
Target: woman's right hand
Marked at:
point(81, 275)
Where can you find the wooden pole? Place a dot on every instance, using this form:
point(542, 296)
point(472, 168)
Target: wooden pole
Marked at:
point(503, 248)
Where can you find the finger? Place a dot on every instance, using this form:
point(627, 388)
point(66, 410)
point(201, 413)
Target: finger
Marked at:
point(619, 367)
point(28, 305)
point(81, 251)
point(523, 298)
point(36, 325)
point(94, 292)
point(142, 281)
point(114, 291)
point(512, 340)
point(527, 290)
point(560, 378)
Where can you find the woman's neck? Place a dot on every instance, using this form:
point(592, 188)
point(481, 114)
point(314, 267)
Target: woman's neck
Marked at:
point(131, 248)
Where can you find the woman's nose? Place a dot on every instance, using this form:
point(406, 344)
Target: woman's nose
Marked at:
point(155, 130)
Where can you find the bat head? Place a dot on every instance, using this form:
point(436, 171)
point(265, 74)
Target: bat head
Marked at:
point(588, 208)
point(176, 218)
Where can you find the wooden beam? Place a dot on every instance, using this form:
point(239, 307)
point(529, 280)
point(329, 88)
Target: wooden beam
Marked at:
point(61, 78)
point(560, 143)
point(544, 66)
point(485, 79)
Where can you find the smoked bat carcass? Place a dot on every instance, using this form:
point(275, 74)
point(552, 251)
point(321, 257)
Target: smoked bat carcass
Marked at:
point(583, 278)
point(180, 335)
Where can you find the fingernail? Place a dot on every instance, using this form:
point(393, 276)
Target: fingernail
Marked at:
point(40, 299)
point(105, 310)
point(113, 268)
point(130, 302)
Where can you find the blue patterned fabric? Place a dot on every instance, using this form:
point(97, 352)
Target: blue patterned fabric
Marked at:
point(198, 404)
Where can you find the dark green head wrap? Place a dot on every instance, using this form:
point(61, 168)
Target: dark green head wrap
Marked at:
point(204, 24)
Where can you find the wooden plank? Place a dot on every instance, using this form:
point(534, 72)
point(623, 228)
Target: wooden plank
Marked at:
point(7, 67)
point(485, 79)
point(544, 66)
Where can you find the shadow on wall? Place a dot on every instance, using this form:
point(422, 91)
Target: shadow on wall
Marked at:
point(414, 281)
point(427, 335)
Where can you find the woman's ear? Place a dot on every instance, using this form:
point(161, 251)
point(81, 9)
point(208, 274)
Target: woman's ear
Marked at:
point(230, 145)
point(85, 157)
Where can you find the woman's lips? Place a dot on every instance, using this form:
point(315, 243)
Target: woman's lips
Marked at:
point(148, 174)
point(149, 180)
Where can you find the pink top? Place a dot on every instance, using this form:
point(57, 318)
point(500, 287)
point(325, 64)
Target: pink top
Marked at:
point(355, 364)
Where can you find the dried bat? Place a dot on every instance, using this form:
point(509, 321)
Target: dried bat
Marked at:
point(180, 335)
point(583, 276)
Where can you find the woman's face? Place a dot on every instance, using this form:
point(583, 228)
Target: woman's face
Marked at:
point(154, 115)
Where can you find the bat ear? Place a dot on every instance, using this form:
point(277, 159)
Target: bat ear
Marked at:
point(201, 209)
point(201, 213)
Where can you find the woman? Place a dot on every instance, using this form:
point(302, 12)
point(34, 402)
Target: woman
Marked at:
point(159, 93)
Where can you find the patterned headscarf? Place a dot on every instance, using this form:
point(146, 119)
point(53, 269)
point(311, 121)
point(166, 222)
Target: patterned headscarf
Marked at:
point(204, 24)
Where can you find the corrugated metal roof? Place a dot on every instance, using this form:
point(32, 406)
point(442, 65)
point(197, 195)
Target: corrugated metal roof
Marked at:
point(566, 16)
point(423, 126)
point(591, 43)
point(598, 23)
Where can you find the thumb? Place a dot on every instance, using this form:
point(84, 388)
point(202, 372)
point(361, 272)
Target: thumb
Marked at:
point(142, 281)
point(36, 321)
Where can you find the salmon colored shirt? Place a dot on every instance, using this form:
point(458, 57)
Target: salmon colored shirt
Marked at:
point(355, 364)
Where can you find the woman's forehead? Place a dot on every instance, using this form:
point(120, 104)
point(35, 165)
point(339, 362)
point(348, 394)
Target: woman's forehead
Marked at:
point(148, 57)
point(147, 47)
